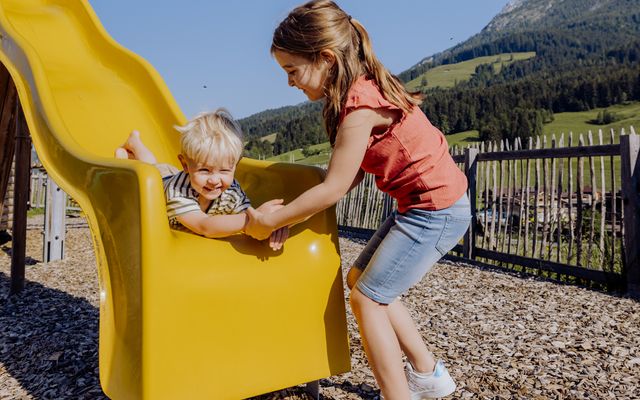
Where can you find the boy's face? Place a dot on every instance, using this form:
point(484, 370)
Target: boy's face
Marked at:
point(208, 180)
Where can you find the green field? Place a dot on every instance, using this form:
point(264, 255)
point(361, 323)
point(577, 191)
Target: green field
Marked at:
point(462, 139)
point(269, 138)
point(446, 76)
point(578, 122)
point(297, 156)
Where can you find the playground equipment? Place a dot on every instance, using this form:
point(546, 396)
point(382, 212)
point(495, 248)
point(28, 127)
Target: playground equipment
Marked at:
point(181, 316)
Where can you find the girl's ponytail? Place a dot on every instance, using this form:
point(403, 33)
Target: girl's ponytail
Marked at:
point(390, 86)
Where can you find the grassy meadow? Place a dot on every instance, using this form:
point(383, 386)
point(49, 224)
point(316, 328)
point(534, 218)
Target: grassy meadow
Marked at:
point(269, 138)
point(578, 122)
point(296, 156)
point(446, 76)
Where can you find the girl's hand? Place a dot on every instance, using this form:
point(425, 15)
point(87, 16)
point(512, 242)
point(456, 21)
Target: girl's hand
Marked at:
point(277, 238)
point(270, 206)
point(256, 227)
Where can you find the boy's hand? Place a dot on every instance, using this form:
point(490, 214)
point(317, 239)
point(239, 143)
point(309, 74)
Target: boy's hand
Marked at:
point(277, 238)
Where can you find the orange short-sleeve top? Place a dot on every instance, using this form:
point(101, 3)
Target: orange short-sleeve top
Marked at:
point(410, 160)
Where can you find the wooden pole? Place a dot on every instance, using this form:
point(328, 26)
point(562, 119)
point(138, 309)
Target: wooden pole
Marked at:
point(594, 190)
point(54, 222)
point(614, 208)
point(7, 131)
point(21, 200)
point(630, 171)
point(580, 205)
point(470, 169)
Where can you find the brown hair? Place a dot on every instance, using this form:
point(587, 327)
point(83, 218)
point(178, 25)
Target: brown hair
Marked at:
point(321, 25)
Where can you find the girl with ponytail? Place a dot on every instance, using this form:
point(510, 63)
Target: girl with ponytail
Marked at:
point(375, 126)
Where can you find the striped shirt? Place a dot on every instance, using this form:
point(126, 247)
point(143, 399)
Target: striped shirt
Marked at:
point(182, 198)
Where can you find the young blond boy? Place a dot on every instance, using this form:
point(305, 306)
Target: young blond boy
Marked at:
point(204, 197)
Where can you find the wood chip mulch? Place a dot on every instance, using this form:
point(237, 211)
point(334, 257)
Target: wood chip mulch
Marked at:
point(501, 336)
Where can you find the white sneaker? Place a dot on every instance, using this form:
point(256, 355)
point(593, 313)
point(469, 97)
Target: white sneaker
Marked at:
point(430, 385)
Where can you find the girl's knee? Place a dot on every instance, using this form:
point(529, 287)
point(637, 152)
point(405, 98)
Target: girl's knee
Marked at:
point(360, 301)
point(354, 299)
point(352, 277)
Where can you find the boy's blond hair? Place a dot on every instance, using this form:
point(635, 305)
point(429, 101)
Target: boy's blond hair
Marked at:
point(212, 138)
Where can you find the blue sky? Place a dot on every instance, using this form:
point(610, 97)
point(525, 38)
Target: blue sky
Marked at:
point(224, 44)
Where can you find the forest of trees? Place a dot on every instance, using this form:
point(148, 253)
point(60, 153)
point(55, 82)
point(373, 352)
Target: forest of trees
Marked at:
point(513, 108)
point(586, 63)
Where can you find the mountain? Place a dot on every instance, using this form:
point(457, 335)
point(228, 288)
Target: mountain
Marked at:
point(582, 28)
point(522, 15)
point(587, 55)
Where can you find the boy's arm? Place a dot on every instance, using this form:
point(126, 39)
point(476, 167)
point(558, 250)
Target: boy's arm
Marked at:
point(213, 226)
point(217, 226)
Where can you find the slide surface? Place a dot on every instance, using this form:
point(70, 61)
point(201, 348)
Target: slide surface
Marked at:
point(181, 316)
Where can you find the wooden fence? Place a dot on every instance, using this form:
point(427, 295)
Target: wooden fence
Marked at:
point(38, 191)
point(555, 205)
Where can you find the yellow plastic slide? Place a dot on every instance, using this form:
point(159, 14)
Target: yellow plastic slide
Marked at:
point(181, 316)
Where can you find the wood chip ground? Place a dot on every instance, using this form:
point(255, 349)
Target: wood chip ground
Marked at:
point(501, 336)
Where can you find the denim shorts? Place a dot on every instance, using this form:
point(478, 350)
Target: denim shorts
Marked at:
point(405, 248)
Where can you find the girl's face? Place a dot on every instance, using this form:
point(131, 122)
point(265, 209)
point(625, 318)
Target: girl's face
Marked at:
point(305, 74)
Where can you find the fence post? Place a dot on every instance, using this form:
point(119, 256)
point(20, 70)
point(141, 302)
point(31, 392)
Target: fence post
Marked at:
point(54, 222)
point(387, 207)
point(470, 170)
point(630, 174)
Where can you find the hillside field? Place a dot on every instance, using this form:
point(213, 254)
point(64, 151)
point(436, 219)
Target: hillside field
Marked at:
point(446, 76)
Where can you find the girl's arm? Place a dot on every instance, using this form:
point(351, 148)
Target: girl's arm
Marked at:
point(343, 173)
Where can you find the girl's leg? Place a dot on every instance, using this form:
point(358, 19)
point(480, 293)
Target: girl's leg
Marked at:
point(410, 340)
point(380, 345)
point(399, 254)
point(405, 330)
point(134, 149)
